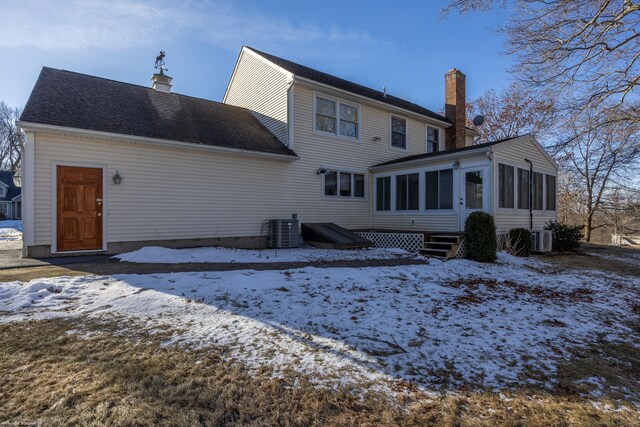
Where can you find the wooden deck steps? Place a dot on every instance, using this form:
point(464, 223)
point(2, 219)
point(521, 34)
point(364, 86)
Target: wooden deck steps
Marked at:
point(442, 245)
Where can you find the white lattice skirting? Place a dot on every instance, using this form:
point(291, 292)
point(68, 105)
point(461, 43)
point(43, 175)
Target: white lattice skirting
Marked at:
point(412, 242)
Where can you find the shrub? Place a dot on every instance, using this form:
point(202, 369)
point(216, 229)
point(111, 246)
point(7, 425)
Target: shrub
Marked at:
point(480, 237)
point(566, 237)
point(2, 216)
point(519, 242)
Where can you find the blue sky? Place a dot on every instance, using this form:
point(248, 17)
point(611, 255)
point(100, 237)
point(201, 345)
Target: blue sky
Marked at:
point(401, 45)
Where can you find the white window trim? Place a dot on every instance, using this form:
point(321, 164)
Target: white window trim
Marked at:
point(3, 191)
point(338, 101)
point(406, 130)
point(353, 185)
point(426, 137)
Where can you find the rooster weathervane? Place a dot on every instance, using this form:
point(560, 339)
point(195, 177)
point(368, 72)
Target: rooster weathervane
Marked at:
point(160, 63)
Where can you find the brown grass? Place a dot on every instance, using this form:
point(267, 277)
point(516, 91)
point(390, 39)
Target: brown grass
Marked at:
point(111, 377)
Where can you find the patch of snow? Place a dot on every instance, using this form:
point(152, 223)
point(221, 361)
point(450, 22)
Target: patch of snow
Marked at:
point(157, 254)
point(454, 322)
point(10, 230)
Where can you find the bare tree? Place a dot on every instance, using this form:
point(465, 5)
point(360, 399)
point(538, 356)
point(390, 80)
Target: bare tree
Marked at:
point(10, 148)
point(514, 111)
point(595, 161)
point(587, 50)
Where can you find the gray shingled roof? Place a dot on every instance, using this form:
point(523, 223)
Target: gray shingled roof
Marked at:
point(328, 79)
point(440, 153)
point(69, 99)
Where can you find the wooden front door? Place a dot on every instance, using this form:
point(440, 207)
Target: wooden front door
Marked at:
point(79, 209)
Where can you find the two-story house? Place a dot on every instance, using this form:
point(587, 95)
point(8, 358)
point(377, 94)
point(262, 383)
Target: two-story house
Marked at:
point(110, 166)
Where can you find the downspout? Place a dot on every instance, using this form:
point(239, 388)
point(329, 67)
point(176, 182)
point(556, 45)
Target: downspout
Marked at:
point(530, 193)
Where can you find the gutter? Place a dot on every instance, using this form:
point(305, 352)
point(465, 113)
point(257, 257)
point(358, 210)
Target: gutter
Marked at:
point(530, 193)
point(64, 130)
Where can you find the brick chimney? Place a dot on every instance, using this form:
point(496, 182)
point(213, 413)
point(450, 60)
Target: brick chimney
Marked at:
point(455, 108)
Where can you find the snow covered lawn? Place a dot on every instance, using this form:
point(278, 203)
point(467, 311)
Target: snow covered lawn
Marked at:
point(156, 254)
point(442, 325)
point(10, 230)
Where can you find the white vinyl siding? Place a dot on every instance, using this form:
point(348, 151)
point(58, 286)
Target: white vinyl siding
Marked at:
point(262, 88)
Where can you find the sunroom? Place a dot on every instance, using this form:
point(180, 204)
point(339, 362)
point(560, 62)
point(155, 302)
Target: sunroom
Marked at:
point(514, 180)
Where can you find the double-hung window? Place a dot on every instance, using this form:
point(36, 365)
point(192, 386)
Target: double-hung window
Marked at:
point(505, 186)
point(523, 188)
point(439, 189)
point(325, 115)
point(337, 117)
point(551, 192)
point(408, 192)
point(398, 132)
point(383, 193)
point(537, 196)
point(433, 137)
point(344, 184)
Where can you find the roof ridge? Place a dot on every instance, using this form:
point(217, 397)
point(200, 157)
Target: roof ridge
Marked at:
point(367, 88)
point(135, 85)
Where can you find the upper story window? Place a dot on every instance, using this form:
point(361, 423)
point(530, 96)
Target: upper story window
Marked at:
point(337, 117)
point(433, 137)
point(344, 184)
point(398, 132)
point(3, 191)
point(325, 115)
point(348, 120)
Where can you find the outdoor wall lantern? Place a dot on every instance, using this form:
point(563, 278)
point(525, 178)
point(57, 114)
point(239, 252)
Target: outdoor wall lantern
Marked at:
point(321, 171)
point(456, 164)
point(17, 178)
point(117, 178)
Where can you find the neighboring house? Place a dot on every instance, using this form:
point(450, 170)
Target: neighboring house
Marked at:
point(110, 166)
point(10, 197)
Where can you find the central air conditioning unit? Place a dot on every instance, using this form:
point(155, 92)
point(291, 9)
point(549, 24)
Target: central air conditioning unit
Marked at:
point(542, 240)
point(284, 233)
